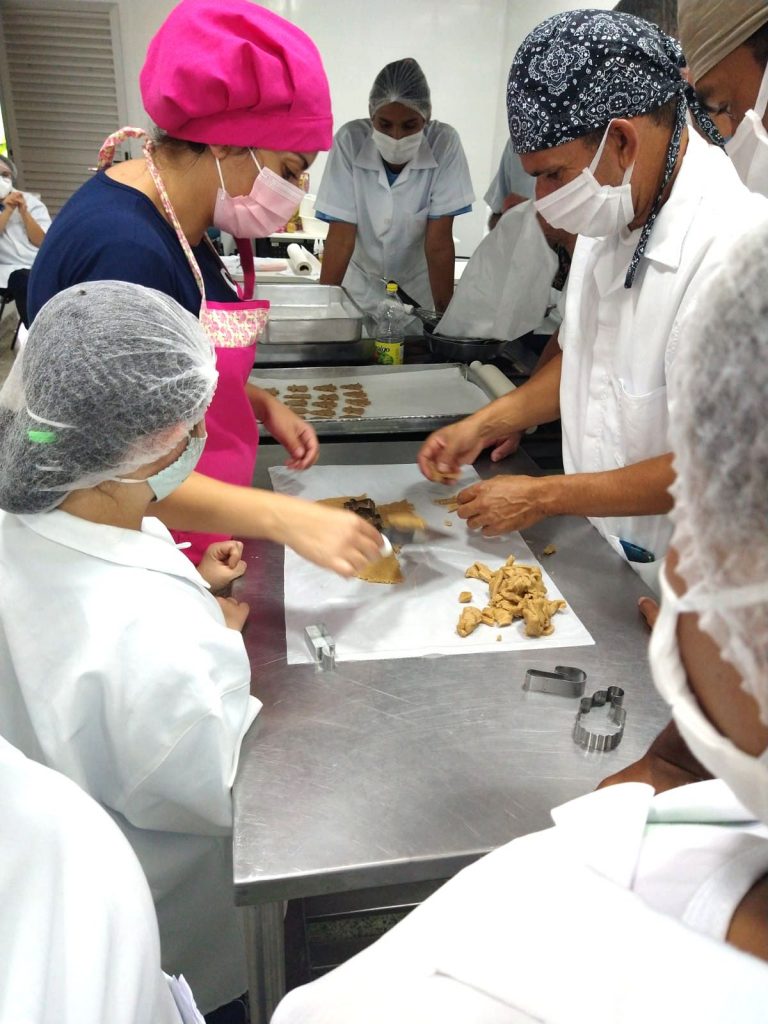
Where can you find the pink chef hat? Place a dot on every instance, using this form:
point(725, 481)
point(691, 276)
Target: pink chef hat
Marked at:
point(236, 74)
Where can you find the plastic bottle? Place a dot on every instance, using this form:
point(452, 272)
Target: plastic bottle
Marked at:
point(390, 328)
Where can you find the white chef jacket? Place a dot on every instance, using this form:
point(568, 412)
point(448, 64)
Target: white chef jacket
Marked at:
point(510, 177)
point(78, 933)
point(554, 927)
point(16, 250)
point(392, 219)
point(618, 344)
point(119, 672)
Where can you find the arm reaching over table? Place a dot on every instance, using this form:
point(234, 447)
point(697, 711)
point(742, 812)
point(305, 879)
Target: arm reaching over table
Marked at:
point(333, 539)
point(448, 449)
point(667, 764)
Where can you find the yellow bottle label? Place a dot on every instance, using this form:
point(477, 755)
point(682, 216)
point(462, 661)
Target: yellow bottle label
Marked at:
point(389, 353)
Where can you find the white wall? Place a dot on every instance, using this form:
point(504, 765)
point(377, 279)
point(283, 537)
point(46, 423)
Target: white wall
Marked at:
point(464, 46)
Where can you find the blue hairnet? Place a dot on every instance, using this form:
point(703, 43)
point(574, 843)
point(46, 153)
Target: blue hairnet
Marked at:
point(402, 81)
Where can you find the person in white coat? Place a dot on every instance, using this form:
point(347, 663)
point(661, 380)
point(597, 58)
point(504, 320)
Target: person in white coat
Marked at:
point(24, 221)
point(597, 106)
point(727, 50)
point(119, 668)
point(392, 186)
point(634, 907)
point(510, 185)
point(78, 933)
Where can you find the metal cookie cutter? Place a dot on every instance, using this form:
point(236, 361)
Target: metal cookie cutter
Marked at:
point(322, 646)
point(565, 681)
point(617, 714)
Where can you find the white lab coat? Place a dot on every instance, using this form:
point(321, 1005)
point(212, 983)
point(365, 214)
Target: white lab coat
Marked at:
point(78, 933)
point(16, 250)
point(552, 926)
point(119, 672)
point(618, 344)
point(392, 220)
point(510, 177)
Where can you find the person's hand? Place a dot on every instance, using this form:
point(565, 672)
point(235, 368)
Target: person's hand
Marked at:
point(292, 432)
point(657, 772)
point(235, 612)
point(649, 609)
point(502, 504)
point(222, 563)
point(507, 446)
point(16, 201)
point(444, 453)
point(667, 764)
point(332, 538)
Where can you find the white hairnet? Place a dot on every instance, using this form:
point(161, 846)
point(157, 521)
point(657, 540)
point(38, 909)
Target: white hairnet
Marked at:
point(402, 81)
point(719, 385)
point(111, 378)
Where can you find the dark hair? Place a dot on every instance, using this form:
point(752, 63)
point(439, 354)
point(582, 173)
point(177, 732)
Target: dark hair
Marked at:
point(9, 164)
point(758, 44)
point(663, 117)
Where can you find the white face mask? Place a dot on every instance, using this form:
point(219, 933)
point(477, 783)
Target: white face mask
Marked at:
point(748, 146)
point(747, 776)
point(6, 187)
point(585, 207)
point(167, 480)
point(397, 151)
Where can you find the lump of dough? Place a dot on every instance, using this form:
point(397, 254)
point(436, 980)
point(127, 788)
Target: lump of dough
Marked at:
point(469, 620)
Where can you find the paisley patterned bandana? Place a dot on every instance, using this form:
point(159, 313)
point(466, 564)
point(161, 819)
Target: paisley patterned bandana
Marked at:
point(579, 70)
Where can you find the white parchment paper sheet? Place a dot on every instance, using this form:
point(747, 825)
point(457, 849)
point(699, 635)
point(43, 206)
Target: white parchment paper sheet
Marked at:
point(439, 392)
point(418, 617)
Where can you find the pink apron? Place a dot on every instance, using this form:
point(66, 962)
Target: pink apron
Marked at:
point(234, 328)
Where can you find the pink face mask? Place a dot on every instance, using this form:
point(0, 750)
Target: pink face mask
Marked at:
point(270, 204)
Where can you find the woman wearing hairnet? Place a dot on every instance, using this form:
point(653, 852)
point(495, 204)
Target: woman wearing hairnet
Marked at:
point(393, 184)
point(118, 666)
point(235, 133)
point(634, 906)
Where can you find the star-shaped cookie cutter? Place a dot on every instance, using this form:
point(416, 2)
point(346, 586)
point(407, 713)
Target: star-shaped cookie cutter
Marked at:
point(589, 740)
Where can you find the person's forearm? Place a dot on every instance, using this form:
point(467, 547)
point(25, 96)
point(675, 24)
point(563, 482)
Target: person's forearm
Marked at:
point(35, 233)
point(537, 401)
point(260, 401)
point(337, 252)
point(637, 490)
point(210, 506)
point(441, 263)
point(5, 216)
point(550, 350)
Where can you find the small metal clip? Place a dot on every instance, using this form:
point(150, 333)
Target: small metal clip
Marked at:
point(565, 681)
point(322, 646)
point(617, 714)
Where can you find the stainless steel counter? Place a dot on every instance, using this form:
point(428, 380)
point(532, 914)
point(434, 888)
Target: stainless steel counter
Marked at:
point(389, 772)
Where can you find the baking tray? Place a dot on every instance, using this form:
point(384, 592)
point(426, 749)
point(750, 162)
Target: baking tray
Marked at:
point(309, 313)
point(413, 424)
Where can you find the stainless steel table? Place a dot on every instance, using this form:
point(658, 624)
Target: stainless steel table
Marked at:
point(390, 772)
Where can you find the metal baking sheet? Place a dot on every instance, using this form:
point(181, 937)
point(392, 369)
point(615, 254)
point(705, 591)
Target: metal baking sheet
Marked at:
point(309, 312)
point(425, 381)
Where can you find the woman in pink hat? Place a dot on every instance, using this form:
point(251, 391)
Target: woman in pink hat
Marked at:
point(242, 106)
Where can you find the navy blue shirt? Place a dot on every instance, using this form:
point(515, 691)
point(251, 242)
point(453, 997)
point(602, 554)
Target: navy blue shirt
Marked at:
point(108, 231)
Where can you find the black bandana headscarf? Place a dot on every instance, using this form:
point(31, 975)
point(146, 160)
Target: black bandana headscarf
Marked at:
point(578, 71)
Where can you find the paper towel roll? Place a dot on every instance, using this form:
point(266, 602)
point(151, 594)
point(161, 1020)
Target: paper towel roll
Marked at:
point(497, 384)
point(302, 262)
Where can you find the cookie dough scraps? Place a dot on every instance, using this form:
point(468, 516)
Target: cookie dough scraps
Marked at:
point(515, 592)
